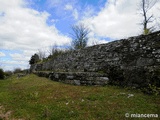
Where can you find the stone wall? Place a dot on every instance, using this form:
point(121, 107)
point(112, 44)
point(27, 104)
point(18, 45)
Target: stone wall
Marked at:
point(134, 61)
point(76, 78)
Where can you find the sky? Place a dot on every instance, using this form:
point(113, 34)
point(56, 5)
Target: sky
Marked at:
point(27, 26)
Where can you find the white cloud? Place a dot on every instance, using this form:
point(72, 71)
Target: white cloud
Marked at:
point(95, 41)
point(118, 19)
point(2, 54)
point(75, 14)
point(89, 11)
point(17, 60)
point(65, 8)
point(60, 3)
point(53, 3)
point(11, 65)
point(19, 57)
point(25, 29)
point(74, 11)
point(68, 7)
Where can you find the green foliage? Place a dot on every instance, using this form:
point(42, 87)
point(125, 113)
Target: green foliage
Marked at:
point(46, 113)
point(147, 31)
point(101, 71)
point(2, 74)
point(8, 73)
point(55, 53)
point(34, 59)
point(17, 70)
point(33, 96)
point(152, 89)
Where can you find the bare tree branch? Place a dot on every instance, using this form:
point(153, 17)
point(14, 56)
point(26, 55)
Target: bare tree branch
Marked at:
point(80, 36)
point(41, 54)
point(145, 6)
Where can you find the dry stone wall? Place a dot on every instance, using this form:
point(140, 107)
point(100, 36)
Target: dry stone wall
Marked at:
point(133, 62)
point(76, 78)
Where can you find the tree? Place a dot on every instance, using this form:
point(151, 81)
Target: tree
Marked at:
point(80, 36)
point(2, 75)
point(34, 59)
point(54, 51)
point(8, 73)
point(17, 70)
point(145, 7)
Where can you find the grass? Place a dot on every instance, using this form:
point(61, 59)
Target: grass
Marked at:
point(37, 98)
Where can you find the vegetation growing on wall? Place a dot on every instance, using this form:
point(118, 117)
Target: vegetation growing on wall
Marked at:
point(34, 59)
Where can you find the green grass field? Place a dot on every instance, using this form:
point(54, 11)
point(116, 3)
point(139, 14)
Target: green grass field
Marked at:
point(37, 98)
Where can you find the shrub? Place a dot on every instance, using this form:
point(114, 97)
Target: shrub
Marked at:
point(8, 73)
point(151, 89)
point(2, 74)
point(55, 53)
point(17, 70)
point(34, 59)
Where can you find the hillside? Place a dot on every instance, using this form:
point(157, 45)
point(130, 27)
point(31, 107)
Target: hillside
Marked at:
point(39, 98)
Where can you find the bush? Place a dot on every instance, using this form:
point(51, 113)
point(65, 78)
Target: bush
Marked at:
point(34, 59)
point(8, 73)
point(2, 74)
point(17, 70)
point(151, 89)
point(55, 53)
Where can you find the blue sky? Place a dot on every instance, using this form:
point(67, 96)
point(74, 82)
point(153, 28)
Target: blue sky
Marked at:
point(62, 12)
point(31, 25)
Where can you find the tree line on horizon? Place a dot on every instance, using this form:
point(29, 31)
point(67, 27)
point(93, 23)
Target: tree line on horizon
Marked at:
point(8, 73)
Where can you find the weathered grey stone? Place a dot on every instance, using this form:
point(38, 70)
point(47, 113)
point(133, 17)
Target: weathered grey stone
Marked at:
point(77, 82)
point(116, 60)
point(56, 76)
point(144, 61)
point(104, 78)
point(76, 78)
point(70, 77)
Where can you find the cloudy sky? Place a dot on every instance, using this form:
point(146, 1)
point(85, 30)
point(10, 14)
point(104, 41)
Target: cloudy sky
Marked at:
point(27, 26)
